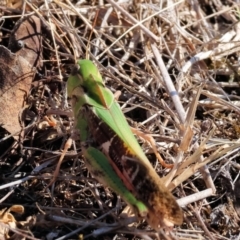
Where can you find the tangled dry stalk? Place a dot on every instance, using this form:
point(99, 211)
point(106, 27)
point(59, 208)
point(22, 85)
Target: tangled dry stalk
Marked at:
point(176, 64)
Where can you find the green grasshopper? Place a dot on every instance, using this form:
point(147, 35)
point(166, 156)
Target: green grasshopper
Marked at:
point(112, 153)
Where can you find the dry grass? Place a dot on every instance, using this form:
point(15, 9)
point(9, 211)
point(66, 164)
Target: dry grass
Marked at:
point(176, 64)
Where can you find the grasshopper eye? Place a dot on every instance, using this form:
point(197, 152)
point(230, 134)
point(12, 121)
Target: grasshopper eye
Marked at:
point(75, 70)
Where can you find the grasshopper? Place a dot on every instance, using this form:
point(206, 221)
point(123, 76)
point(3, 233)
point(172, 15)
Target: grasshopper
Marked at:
point(111, 151)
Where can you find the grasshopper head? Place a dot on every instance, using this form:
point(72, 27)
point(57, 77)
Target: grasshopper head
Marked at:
point(91, 77)
point(85, 75)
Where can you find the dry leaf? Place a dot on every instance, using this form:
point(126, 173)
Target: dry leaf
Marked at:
point(26, 40)
point(8, 221)
point(16, 76)
point(18, 69)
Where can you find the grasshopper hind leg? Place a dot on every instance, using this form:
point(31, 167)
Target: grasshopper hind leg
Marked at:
point(100, 167)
